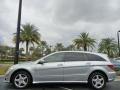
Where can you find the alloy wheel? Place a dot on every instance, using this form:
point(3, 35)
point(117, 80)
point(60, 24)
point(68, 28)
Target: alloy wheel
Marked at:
point(98, 81)
point(21, 80)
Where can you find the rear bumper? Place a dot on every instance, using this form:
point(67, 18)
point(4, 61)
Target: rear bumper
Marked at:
point(111, 76)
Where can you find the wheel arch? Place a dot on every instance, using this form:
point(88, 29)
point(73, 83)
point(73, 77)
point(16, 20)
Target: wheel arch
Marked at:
point(21, 70)
point(100, 71)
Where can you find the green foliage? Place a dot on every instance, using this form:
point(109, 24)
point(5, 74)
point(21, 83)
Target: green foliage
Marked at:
point(29, 34)
point(4, 68)
point(6, 52)
point(59, 47)
point(42, 49)
point(108, 46)
point(84, 41)
point(70, 48)
point(118, 73)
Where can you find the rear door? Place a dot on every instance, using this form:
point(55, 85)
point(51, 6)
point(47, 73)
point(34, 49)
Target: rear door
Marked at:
point(76, 66)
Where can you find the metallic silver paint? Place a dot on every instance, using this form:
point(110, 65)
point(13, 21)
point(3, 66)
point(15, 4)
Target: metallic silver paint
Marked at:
point(75, 71)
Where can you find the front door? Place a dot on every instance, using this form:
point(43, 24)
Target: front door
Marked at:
point(52, 69)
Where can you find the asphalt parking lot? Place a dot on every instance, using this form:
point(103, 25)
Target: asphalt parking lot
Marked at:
point(110, 86)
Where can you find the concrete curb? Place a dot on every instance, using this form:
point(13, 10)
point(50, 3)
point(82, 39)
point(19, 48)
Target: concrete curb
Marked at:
point(1, 75)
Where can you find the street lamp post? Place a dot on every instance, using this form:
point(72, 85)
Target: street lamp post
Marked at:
point(18, 33)
point(118, 42)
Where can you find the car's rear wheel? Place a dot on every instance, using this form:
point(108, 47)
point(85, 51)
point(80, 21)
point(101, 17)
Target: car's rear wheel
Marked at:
point(21, 79)
point(97, 80)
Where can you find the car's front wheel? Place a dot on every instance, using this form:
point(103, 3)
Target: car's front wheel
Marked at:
point(97, 80)
point(21, 79)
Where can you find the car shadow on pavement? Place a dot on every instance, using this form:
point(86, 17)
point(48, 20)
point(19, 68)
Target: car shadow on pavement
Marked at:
point(53, 87)
point(61, 86)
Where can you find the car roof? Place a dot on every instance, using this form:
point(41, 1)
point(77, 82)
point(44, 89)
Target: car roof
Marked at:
point(84, 52)
point(99, 54)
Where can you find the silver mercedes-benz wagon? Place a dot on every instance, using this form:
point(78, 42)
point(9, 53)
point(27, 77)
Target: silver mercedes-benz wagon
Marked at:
point(64, 67)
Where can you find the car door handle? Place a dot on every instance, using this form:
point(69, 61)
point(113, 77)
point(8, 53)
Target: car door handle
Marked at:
point(60, 65)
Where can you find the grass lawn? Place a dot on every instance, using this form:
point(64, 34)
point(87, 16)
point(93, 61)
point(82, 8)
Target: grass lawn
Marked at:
point(4, 65)
point(4, 68)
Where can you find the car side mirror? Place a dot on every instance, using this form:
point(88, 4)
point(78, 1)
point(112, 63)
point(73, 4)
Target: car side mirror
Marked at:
point(41, 62)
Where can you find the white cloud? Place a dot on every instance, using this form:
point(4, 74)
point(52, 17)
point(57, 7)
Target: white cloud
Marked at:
point(62, 20)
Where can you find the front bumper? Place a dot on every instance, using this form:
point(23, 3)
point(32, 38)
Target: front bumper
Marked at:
point(6, 79)
point(7, 76)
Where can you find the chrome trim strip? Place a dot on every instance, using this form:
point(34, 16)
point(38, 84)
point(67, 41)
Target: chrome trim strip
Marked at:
point(60, 82)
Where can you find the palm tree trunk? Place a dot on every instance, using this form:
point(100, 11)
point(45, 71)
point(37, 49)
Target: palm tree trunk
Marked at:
point(108, 52)
point(85, 47)
point(27, 53)
point(1, 56)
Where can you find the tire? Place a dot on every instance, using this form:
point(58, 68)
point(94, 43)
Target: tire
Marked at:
point(97, 80)
point(21, 79)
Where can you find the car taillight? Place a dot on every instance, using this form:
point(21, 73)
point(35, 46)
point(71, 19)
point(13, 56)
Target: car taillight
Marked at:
point(111, 67)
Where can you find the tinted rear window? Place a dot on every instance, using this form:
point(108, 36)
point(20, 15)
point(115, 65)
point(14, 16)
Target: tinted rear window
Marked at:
point(92, 57)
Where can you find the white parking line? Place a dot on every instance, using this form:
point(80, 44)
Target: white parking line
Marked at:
point(65, 88)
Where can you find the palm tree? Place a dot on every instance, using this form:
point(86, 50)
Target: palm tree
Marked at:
point(84, 41)
point(29, 34)
point(59, 47)
point(108, 46)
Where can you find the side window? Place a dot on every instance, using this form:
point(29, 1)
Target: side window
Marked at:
point(57, 57)
point(74, 56)
point(92, 57)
